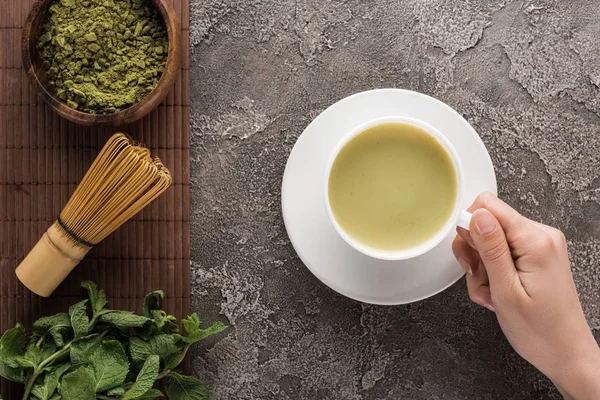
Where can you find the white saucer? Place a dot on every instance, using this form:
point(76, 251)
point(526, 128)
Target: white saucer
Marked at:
point(317, 243)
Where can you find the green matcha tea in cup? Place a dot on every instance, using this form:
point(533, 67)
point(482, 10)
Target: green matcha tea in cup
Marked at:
point(393, 188)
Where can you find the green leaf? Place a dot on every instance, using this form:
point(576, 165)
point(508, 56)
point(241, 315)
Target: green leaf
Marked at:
point(97, 297)
point(124, 319)
point(162, 345)
point(12, 346)
point(151, 301)
point(162, 322)
point(12, 374)
point(150, 394)
point(171, 325)
point(44, 388)
point(158, 316)
point(57, 326)
point(78, 385)
point(35, 355)
point(191, 325)
point(116, 391)
point(83, 348)
point(173, 360)
point(79, 319)
point(182, 387)
point(109, 366)
point(145, 379)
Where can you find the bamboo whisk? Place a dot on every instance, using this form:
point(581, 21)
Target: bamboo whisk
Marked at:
point(122, 180)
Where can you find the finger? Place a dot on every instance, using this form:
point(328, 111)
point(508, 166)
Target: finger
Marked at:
point(521, 233)
point(490, 241)
point(477, 278)
point(477, 204)
point(479, 288)
point(506, 215)
point(467, 256)
point(466, 235)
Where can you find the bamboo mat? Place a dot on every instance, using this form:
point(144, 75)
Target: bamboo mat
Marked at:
point(42, 159)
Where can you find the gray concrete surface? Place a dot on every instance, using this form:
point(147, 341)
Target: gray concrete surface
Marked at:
point(526, 74)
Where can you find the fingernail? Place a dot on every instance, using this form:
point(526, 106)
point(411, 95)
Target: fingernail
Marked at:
point(465, 266)
point(490, 307)
point(485, 223)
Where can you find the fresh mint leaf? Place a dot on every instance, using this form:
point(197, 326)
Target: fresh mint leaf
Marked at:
point(162, 322)
point(78, 385)
point(162, 345)
point(150, 394)
point(56, 326)
point(97, 297)
point(182, 387)
point(172, 361)
point(158, 316)
point(145, 379)
point(116, 391)
point(83, 348)
point(124, 320)
point(12, 346)
point(80, 356)
point(140, 350)
point(191, 325)
point(151, 301)
point(35, 355)
point(12, 374)
point(45, 388)
point(172, 348)
point(79, 319)
point(170, 325)
point(109, 366)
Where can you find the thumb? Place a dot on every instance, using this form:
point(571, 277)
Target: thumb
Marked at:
point(490, 241)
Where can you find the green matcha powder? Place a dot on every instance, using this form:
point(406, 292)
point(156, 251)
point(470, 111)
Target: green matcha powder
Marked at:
point(103, 56)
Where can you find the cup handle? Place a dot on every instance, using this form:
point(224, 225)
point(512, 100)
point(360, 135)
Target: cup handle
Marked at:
point(464, 219)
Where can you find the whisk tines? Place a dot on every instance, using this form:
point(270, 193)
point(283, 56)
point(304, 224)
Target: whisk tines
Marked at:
point(123, 179)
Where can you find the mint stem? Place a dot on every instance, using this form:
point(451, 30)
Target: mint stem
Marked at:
point(30, 384)
point(40, 368)
point(93, 321)
point(163, 374)
point(41, 341)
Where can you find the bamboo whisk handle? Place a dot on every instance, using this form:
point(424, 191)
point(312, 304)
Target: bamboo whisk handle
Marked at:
point(50, 261)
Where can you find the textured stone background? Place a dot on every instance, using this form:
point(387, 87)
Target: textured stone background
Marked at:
point(526, 74)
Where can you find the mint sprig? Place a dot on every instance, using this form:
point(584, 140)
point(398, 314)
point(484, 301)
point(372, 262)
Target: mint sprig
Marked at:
point(93, 352)
point(181, 387)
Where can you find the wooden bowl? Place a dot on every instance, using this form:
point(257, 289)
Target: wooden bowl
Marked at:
point(37, 73)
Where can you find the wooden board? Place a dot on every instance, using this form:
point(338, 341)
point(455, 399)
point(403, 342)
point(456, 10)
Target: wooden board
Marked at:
point(43, 158)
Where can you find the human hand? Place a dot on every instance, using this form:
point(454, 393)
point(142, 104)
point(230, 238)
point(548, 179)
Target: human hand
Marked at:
point(520, 269)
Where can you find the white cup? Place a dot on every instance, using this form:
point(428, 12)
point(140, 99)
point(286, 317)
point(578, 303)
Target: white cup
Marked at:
point(458, 217)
